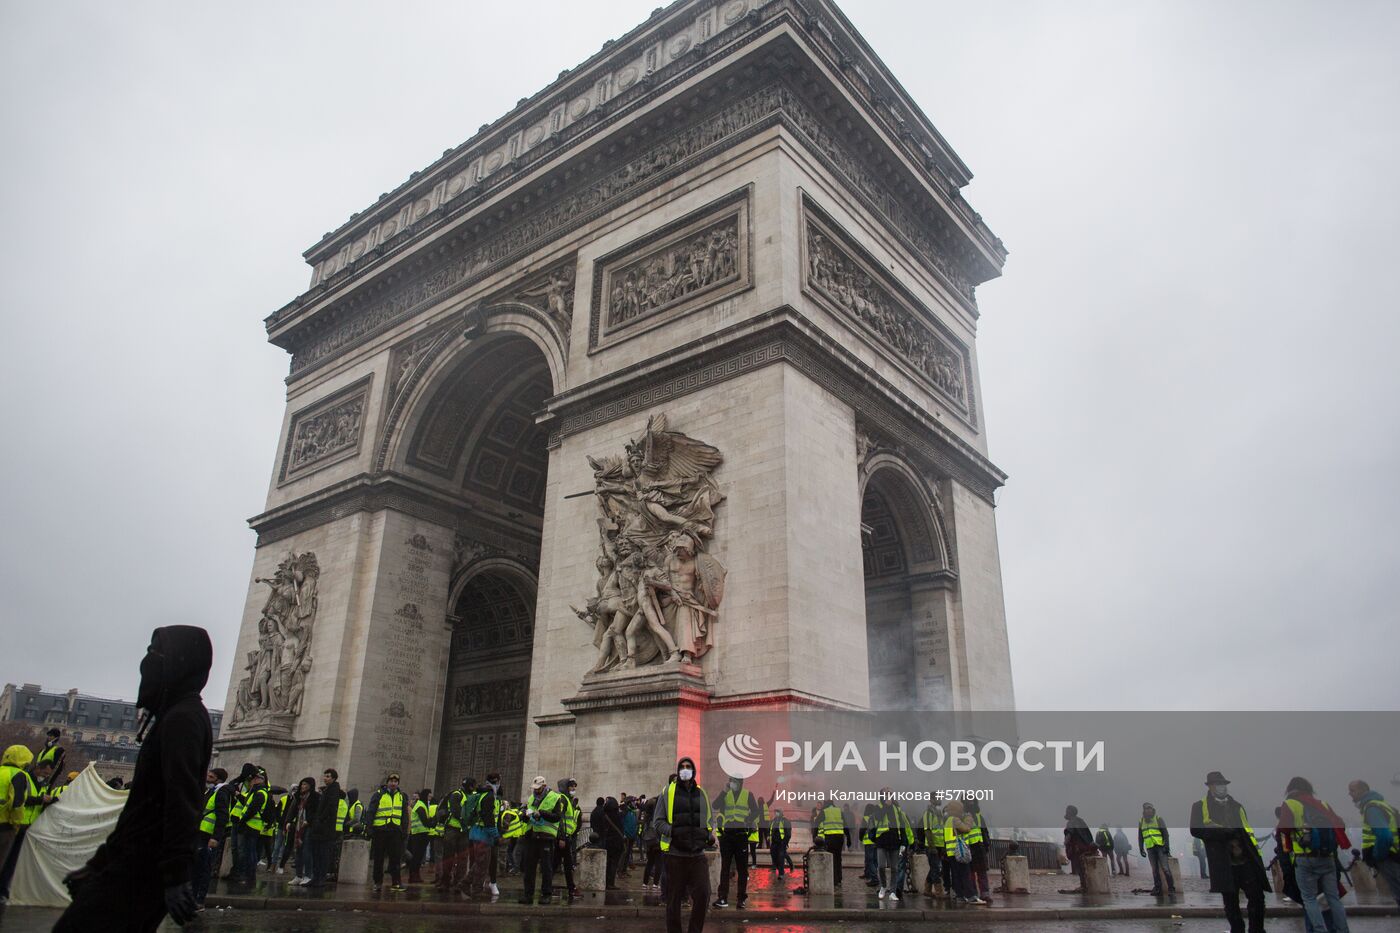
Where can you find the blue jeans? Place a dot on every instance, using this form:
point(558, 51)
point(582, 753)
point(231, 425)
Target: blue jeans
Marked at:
point(871, 871)
point(1318, 873)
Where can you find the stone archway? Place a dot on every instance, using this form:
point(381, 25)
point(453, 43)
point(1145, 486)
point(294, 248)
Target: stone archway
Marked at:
point(910, 592)
point(484, 715)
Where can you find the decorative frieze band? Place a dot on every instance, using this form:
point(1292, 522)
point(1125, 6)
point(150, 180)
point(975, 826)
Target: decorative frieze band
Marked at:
point(325, 432)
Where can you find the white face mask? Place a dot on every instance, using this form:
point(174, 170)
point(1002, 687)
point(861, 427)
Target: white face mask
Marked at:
point(686, 774)
point(1219, 791)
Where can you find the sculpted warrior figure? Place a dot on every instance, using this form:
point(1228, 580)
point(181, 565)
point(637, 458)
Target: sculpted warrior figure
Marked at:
point(658, 590)
point(277, 671)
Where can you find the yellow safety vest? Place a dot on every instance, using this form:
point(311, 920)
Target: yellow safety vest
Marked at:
point(454, 808)
point(833, 823)
point(1151, 832)
point(1368, 833)
point(208, 820)
point(253, 807)
point(571, 815)
point(342, 809)
point(270, 826)
point(552, 800)
point(512, 826)
point(671, 813)
point(780, 830)
point(1244, 820)
point(974, 836)
point(902, 826)
point(391, 815)
point(437, 829)
point(357, 810)
point(932, 826)
point(417, 817)
point(734, 810)
point(950, 839)
point(33, 806)
point(867, 823)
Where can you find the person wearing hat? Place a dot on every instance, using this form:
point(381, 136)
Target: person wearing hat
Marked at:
point(683, 818)
point(543, 815)
point(1222, 825)
point(1155, 845)
point(388, 819)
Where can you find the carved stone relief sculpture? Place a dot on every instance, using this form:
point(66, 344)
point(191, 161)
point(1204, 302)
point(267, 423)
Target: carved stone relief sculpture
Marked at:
point(325, 433)
point(277, 669)
point(658, 591)
point(835, 274)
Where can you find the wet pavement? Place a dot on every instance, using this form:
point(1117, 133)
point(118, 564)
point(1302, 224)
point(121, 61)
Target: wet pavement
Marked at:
point(37, 920)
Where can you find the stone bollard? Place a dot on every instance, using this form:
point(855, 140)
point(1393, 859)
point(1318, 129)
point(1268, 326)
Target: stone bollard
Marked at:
point(1017, 876)
point(1174, 866)
point(592, 870)
point(918, 869)
point(354, 861)
point(1095, 874)
point(1361, 878)
point(712, 857)
point(819, 876)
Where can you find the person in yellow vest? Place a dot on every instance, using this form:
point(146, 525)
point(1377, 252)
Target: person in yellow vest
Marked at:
point(1316, 834)
point(834, 833)
point(213, 829)
point(419, 834)
point(482, 829)
point(868, 872)
point(1220, 822)
point(15, 787)
point(568, 829)
point(512, 828)
point(52, 752)
point(890, 831)
point(1154, 844)
point(684, 818)
point(544, 812)
point(931, 838)
point(737, 813)
point(355, 815)
point(1380, 834)
point(389, 823)
point(453, 862)
point(958, 827)
point(248, 826)
point(779, 835)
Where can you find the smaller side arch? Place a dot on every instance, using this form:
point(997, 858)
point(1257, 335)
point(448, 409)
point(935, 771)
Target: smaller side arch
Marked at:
point(916, 505)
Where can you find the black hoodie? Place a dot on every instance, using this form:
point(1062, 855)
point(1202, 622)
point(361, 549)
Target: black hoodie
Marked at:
point(159, 826)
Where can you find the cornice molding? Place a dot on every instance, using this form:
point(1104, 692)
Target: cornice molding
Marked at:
point(672, 44)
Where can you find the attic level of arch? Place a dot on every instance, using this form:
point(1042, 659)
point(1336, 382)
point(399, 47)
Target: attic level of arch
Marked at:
point(472, 240)
point(625, 77)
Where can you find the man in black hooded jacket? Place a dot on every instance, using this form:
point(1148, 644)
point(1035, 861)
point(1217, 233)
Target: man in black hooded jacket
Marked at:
point(144, 868)
point(682, 819)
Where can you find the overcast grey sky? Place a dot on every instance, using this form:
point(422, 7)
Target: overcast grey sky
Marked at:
point(1188, 368)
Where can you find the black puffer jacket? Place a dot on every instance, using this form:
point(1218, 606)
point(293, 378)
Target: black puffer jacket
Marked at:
point(160, 822)
point(322, 819)
point(690, 816)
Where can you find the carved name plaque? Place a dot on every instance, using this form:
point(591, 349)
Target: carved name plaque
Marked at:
point(851, 284)
point(327, 432)
point(698, 260)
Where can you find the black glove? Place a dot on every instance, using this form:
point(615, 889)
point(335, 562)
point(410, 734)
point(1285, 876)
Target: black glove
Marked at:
point(179, 902)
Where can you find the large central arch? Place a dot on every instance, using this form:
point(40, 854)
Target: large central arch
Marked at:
point(472, 433)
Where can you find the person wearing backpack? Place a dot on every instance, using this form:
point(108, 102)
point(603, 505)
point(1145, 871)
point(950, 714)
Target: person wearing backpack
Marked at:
point(1380, 847)
point(1222, 825)
point(1316, 834)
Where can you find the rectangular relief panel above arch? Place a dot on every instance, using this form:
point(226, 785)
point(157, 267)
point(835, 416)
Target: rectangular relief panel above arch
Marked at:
point(327, 431)
point(848, 282)
point(693, 262)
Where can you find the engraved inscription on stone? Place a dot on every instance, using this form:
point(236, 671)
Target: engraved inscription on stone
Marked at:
point(698, 260)
point(326, 432)
point(854, 288)
point(403, 642)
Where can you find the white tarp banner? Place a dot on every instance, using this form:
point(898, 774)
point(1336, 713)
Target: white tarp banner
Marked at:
point(63, 838)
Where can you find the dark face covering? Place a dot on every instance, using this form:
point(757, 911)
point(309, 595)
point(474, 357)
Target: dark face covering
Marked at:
point(176, 665)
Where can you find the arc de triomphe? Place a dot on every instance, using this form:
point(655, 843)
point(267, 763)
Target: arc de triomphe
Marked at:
point(657, 396)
